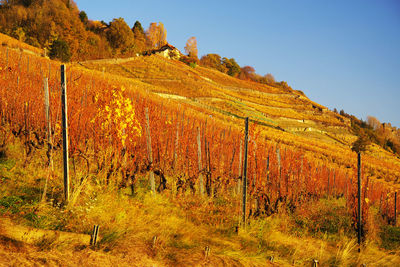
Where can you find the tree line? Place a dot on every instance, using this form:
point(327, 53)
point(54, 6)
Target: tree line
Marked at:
point(59, 27)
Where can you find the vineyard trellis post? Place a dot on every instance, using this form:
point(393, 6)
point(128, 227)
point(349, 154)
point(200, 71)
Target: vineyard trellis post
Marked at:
point(48, 126)
point(395, 209)
point(64, 115)
point(278, 156)
point(48, 122)
point(329, 174)
point(201, 182)
point(359, 197)
point(246, 141)
point(240, 173)
point(6, 57)
point(176, 146)
point(149, 152)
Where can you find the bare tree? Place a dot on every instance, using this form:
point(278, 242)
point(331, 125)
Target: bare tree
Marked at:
point(156, 35)
point(191, 47)
point(373, 122)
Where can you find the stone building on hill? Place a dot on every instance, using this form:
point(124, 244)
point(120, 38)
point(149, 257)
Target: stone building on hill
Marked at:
point(167, 51)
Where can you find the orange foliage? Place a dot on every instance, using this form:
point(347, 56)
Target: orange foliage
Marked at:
point(281, 175)
point(157, 35)
point(191, 47)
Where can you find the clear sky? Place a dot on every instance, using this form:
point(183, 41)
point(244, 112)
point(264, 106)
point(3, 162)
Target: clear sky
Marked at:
point(343, 54)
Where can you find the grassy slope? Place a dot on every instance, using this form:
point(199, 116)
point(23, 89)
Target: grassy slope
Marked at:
point(12, 43)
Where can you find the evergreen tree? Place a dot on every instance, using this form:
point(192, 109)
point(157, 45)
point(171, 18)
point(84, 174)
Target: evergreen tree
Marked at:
point(138, 27)
point(59, 49)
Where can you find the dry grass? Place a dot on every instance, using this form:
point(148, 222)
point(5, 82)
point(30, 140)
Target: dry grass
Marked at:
point(13, 43)
point(162, 230)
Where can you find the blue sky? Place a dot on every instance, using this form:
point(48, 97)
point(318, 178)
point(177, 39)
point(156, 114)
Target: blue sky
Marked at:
point(341, 54)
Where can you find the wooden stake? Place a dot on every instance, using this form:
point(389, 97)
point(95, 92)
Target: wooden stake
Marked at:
point(395, 209)
point(359, 198)
point(47, 115)
point(329, 174)
point(246, 141)
point(149, 152)
point(48, 125)
point(268, 168)
point(64, 114)
point(176, 147)
point(95, 233)
point(278, 156)
point(240, 174)
point(201, 182)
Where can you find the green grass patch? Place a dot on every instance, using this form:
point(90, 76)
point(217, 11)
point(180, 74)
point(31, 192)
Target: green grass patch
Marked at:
point(390, 237)
point(11, 204)
point(326, 217)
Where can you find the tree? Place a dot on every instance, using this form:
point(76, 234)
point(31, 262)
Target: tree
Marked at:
point(83, 17)
point(138, 27)
point(213, 61)
point(373, 122)
point(247, 73)
point(120, 35)
point(140, 37)
point(156, 35)
point(360, 145)
point(269, 78)
point(60, 50)
point(231, 65)
point(191, 47)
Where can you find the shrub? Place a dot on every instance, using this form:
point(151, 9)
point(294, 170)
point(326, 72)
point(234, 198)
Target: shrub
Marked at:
point(324, 216)
point(190, 61)
point(60, 50)
point(390, 237)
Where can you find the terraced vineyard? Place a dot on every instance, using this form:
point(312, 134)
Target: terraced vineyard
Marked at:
point(131, 120)
point(288, 116)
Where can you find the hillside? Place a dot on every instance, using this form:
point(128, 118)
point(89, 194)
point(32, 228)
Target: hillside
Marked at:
point(287, 116)
point(156, 152)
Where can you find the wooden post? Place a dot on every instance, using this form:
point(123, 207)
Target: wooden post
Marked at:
point(246, 141)
point(268, 168)
point(64, 115)
point(334, 182)
point(149, 152)
point(395, 208)
point(278, 156)
point(329, 174)
point(201, 182)
point(7, 62)
point(255, 164)
point(347, 188)
point(48, 126)
point(255, 177)
point(95, 233)
point(47, 115)
point(240, 174)
point(176, 147)
point(359, 198)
